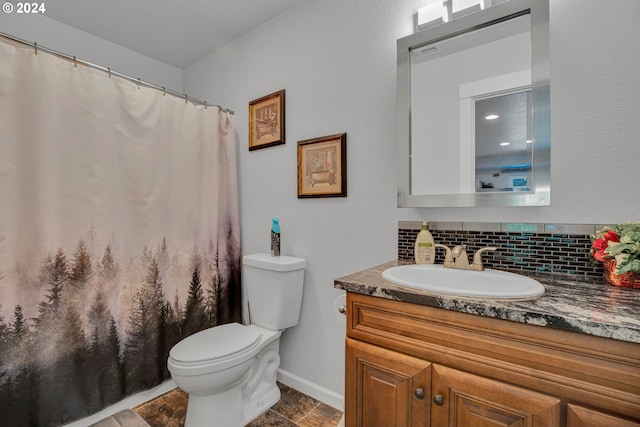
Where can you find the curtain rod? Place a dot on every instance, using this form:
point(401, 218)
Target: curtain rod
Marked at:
point(111, 72)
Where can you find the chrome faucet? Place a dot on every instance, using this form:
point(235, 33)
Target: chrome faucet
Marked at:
point(458, 258)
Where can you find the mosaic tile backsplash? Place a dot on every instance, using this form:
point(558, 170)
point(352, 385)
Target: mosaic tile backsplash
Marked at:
point(553, 248)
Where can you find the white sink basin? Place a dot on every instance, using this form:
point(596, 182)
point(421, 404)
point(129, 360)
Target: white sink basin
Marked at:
point(489, 283)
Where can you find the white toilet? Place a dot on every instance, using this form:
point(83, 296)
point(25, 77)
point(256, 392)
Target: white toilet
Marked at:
point(230, 370)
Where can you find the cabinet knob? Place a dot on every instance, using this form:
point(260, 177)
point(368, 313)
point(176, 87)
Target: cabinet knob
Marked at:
point(438, 399)
point(419, 393)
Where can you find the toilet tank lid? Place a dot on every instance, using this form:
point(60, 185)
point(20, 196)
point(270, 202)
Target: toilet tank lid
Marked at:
point(274, 263)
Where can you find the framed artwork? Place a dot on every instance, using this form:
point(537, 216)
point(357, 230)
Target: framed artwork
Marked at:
point(266, 121)
point(322, 166)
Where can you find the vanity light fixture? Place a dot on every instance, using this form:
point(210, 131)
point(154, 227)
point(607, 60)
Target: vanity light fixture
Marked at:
point(433, 13)
point(464, 7)
point(504, 144)
point(440, 11)
point(492, 117)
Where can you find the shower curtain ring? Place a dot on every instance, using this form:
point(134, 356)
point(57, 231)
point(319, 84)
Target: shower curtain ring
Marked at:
point(164, 91)
point(138, 82)
point(75, 62)
point(109, 69)
point(205, 105)
point(35, 46)
point(186, 98)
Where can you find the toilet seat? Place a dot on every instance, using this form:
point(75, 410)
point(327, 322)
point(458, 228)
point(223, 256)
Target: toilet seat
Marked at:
point(215, 348)
point(215, 343)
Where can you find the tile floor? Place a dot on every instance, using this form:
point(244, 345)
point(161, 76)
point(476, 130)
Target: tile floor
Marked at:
point(294, 409)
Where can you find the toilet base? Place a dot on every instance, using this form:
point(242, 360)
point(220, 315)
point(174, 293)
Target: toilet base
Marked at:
point(269, 394)
point(222, 409)
point(248, 399)
point(228, 409)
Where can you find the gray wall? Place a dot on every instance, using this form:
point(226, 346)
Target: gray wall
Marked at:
point(73, 42)
point(336, 60)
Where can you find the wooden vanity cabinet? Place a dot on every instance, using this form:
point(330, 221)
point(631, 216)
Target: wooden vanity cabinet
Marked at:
point(578, 416)
point(389, 388)
point(414, 365)
point(462, 399)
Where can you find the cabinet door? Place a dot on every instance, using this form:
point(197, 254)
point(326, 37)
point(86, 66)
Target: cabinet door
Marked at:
point(461, 399)
point(385, 388)
point(577, 416)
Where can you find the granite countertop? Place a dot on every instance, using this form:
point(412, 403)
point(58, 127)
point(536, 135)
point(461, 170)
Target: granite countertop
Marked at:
point(583, 305)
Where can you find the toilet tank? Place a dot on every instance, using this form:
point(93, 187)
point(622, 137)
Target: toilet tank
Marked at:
point(274, 289)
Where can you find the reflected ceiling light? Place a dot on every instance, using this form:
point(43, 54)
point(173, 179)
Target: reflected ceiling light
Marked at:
point(529, 141)
point(492, 117)
point(504, 144)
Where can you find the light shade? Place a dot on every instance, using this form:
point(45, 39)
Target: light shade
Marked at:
point(460, 5)
point(432, 14)
point(439, 11)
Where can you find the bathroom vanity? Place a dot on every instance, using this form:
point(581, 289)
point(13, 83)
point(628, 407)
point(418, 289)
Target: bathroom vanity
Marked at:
point(570, 357)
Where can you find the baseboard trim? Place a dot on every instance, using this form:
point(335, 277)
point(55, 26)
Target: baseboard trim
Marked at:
point(126, 403)
point(314, 390)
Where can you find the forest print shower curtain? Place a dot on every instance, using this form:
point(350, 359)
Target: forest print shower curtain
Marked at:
point(119, 234)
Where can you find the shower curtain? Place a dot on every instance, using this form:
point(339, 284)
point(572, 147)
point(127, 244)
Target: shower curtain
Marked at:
point(119, 234)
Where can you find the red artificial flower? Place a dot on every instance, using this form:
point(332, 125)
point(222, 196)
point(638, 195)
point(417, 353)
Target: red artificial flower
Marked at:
point(598, 247)
point(599, 255)
point(600, 244)
point(621, 243)
point(611, 236)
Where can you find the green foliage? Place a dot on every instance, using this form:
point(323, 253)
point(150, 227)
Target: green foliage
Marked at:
point(627, 250)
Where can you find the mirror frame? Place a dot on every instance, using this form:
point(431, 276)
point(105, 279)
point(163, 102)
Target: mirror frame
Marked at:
point(540, 85)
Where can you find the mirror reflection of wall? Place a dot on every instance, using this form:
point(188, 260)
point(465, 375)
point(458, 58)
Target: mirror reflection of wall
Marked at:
point(454, 81)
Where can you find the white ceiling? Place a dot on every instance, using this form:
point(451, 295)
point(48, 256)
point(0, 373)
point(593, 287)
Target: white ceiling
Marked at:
point(177, 32)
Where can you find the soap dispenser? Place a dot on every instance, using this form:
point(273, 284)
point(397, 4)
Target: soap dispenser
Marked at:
point(425, 250)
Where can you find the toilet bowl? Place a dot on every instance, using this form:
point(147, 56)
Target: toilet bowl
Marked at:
point(229, 371)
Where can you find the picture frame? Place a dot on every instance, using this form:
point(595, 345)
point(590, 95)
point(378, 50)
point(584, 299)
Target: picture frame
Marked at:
point(266, 121)
point(322, 166)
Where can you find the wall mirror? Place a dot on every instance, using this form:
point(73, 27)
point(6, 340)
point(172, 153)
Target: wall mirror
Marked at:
point(473, 110)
